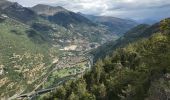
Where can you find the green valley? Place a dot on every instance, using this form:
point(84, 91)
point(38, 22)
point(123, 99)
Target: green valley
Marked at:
point(36, 54)
point(84, 50)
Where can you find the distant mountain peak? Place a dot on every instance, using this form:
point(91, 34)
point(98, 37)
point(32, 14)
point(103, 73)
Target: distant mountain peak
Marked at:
point(61, 16)
point(48, 6)
point(17, 11)
point(4, 4)
point(16, 5)
point(43, 9)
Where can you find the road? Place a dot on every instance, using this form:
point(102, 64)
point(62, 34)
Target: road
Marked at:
point(32, 95)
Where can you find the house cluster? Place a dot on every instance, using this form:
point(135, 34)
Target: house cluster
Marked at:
point(69, 61)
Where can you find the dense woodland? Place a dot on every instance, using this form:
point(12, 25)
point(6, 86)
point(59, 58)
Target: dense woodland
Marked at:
point(138, 71)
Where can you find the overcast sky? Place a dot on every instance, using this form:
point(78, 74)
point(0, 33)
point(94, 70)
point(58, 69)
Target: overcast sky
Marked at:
point(134, 9)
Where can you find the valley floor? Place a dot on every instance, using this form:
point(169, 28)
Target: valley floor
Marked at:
point(69, 66)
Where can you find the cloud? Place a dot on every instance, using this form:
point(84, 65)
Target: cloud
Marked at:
point(135, 9)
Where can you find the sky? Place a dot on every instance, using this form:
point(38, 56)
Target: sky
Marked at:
point(133, 9)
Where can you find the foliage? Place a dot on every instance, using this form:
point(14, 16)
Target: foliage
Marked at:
point(128, 74)
point(165, 26)
point(24, 57)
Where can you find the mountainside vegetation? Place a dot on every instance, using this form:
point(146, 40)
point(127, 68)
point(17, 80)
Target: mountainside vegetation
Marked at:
point(51, 53)
point(76, 24)
point(137, 33)
point(34, 50)
point(16, 11)
point(139, 71)
point(61, 16)
point(24, 57)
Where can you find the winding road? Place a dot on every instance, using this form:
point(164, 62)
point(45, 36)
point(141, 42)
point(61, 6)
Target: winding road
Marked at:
point(32, 95)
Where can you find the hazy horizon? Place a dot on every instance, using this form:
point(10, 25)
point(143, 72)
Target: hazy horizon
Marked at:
point(132, 9)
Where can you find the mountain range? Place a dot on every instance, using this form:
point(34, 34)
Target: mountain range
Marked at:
point(61, 16)
point(57, 14)
point(116, 25)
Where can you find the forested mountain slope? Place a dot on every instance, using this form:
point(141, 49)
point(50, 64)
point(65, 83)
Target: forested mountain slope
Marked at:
point(139, 71)
point(134, 34)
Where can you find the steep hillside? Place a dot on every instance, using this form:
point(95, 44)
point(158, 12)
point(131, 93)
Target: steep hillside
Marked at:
point(16, 11)
point(76, 24)
point(139, 71)
point(115, 25)
point(60, 15)
point(63, 24)
point(30, 62)
point(136, 33)
point(68, 19)
point(24, 57)
point(42, 48)
point(36, 54)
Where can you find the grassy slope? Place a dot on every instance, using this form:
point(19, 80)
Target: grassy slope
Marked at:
point(23, 56)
